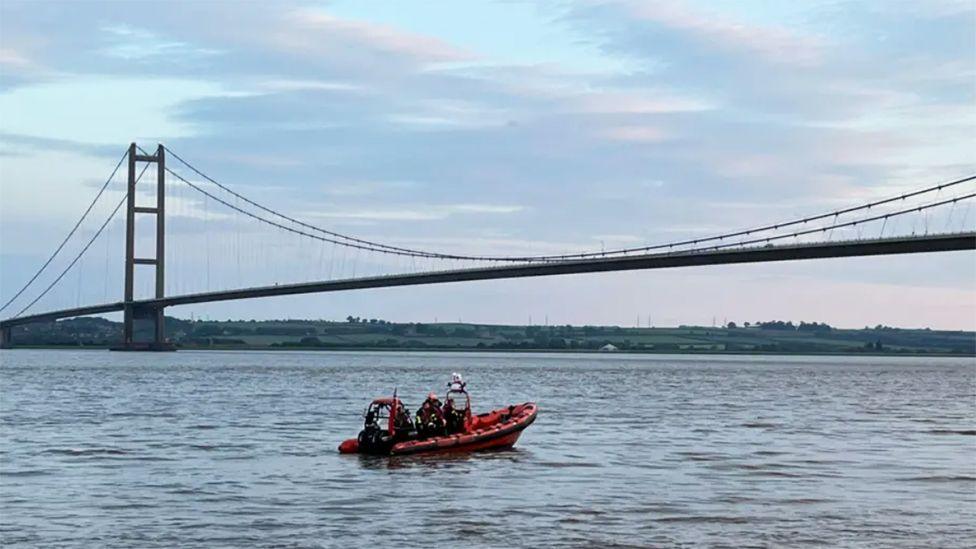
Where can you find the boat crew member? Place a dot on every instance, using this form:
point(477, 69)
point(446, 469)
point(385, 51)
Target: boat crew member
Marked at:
point(453, 418)
point(402, 424)
point(456, 383)
point(430, 417)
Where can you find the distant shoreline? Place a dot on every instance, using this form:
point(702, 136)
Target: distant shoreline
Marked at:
point(360, 334)
point(252, 348)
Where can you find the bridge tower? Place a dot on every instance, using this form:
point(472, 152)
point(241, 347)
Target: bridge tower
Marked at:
point(133, 312)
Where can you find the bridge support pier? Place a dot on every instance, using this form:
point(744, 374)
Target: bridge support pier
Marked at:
point(145, 330)
point(131, 313)
point(6, 340)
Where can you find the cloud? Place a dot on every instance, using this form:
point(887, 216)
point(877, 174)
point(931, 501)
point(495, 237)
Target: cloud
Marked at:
point(419, 121)
point(366, 188)
point(137, 108)
point(315, 31)
point(773, 43)
point(619, 238)
point(18, 68)
point(484, 208)
point(266, 161)
point(636, 134)
point(33, 144)
point(643, 102)
point(288, 85)
point(12, 59)
point(136, 44)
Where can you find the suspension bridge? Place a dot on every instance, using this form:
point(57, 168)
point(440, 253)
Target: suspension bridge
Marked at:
point(934, 218)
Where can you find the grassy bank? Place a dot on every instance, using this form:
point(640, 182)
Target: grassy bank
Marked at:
point(379, 335)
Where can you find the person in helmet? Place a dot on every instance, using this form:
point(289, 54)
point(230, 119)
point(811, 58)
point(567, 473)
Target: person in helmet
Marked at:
point(402, 424)
point(456, 383)
point(454, 417)
point(430, 417)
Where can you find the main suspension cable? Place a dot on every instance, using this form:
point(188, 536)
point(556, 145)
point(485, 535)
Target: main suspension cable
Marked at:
point(70, 234)
point(257, 217)
point(286, 217)
point(854, 223)
point(777, 226)
point(83, 250)
point(345, 240)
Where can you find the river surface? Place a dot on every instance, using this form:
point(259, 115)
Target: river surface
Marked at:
point(238, 449)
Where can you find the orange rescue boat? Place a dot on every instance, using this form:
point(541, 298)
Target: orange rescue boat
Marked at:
point(497, 429)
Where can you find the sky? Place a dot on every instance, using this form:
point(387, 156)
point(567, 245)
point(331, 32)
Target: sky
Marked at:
point(502, 128)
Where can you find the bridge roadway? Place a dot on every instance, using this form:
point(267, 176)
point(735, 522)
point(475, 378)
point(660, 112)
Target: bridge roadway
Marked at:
point(849, 248)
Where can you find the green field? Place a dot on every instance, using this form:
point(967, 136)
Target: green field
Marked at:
point(766, 337)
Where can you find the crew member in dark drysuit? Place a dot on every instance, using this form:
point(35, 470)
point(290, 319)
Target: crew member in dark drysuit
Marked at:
point(430, 417)
point(372, 436)
point(453, 418)
point(402, 426)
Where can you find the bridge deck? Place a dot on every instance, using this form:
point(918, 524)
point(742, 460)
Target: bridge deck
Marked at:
point(880, 246)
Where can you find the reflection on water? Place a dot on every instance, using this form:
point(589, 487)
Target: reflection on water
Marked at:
point(440, 461)
point(203, 449)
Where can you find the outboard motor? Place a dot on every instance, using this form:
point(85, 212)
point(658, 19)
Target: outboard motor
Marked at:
point(377, 438)
point(374, 440)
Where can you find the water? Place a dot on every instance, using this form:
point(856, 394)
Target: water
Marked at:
point(238, 449)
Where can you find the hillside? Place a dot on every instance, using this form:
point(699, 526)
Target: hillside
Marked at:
point(355, 333)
